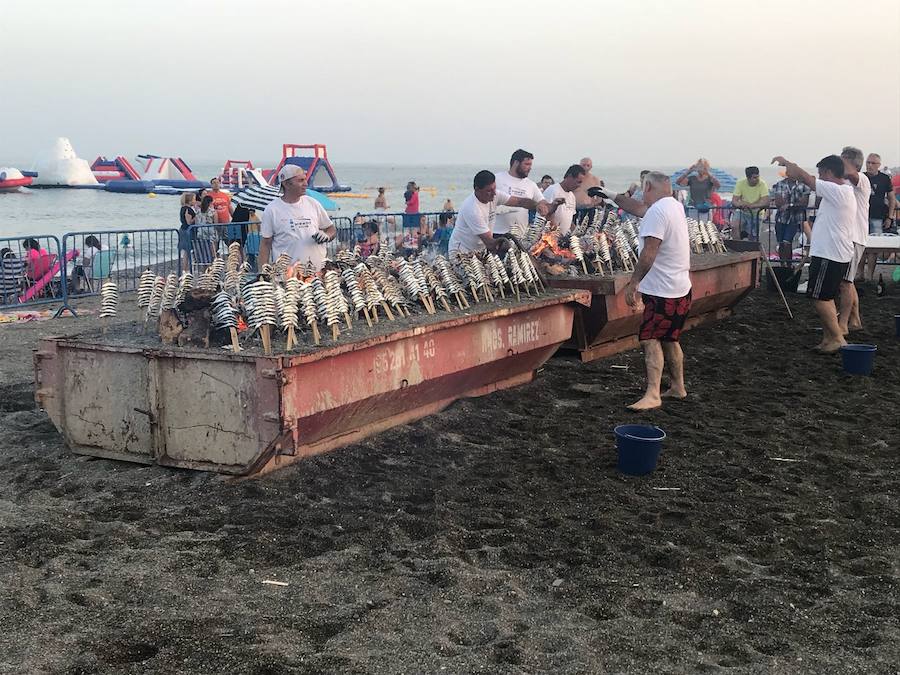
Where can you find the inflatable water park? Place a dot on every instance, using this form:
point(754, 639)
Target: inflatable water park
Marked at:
point(155, 174)
point(312, 158)
point(11, 179)
point(61, 167)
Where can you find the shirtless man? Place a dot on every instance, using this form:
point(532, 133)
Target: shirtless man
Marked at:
point(582, 198)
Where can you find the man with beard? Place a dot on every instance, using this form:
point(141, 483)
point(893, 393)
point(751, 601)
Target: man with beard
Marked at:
point(515, 183)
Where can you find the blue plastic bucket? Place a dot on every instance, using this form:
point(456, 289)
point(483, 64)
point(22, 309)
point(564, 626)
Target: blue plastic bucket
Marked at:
point(858, 359)
point(638, 447)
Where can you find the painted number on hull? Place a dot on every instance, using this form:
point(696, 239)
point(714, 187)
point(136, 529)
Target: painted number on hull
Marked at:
point(394, 359)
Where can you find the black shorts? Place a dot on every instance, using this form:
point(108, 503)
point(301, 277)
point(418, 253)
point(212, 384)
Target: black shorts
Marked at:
point(663, 318)
point(825, 278)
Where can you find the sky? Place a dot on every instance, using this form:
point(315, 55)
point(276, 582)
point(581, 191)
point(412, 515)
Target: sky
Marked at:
point(634, 82)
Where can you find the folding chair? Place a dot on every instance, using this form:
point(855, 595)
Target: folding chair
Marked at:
point(101, 268)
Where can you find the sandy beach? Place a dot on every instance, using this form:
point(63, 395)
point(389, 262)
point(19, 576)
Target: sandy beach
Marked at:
point(494, 537)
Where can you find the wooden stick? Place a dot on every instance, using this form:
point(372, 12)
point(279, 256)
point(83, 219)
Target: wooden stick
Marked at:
point(387, 310)
point(335, 331)
point(475, 292)
point(368, 318)
point(291, 339)
point(235, 345)
point(265, 332)
point(502, 294)
point(458, 301)
point(583, 266)
point(347, 321)
point(315, 331)
point(762, 252)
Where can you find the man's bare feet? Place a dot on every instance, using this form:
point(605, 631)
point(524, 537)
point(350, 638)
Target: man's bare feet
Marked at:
point(646, 403)
point(831, 347)
point(854, 327)
point(673, 393)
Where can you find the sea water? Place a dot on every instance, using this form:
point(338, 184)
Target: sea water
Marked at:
point(59, 210)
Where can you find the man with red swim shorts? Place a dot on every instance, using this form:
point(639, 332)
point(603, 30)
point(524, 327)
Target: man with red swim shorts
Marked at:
point(662, 276)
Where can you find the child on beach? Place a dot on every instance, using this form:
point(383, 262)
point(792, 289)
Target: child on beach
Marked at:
point(187, 216)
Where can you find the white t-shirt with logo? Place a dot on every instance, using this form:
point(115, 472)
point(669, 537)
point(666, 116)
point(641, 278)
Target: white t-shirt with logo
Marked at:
point(564, 213)
point(862, 191)
point(832, 233)
point(514, 187)
point(292, 227)
point(670, 275)
point(474, 218)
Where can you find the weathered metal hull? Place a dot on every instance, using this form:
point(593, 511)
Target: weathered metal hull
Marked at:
point(238, 414)
point(609, 326)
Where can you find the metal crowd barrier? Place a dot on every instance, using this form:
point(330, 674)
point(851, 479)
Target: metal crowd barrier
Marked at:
point(32, 271)
point(118, 255)
point(347, 235)
point(206, 241)
point(392, 225)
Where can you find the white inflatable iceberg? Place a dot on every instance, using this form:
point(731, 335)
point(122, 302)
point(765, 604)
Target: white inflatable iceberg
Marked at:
point(61, 167)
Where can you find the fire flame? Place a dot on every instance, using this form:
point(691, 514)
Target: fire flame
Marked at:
point(549, 241)
point(241, 324)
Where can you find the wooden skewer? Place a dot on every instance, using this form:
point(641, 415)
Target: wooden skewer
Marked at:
point(458, 300)
point(235, 345)
point(347, 321)
point(583, 266)
point(315, 331)
point(265, 332)
point(446, 305)
point(291, 339)
point(335, 331)
point(475, 293)
point(387, 310)
point(502, 294)
point(368, 318)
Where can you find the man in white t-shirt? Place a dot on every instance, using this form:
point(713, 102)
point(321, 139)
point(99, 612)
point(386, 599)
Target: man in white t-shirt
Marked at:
point(476, 217)
point(662, 276)
point(564, 211)
point(295, 224)
point(848, 317)
point(831, 247)
point(516, 183)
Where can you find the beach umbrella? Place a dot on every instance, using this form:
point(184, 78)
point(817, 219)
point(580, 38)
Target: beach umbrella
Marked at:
point(258, 197)
point(725, 179)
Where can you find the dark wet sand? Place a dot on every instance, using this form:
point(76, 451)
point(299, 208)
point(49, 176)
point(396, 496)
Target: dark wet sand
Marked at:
point(494, 537)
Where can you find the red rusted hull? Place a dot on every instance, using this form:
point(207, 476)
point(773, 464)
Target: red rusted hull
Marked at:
point(244, 415)
point(609, 325)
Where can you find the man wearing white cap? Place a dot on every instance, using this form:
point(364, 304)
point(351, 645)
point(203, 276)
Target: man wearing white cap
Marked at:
point(295, 224)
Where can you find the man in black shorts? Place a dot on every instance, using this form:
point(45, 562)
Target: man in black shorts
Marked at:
point(662, 277)
point(831, 249)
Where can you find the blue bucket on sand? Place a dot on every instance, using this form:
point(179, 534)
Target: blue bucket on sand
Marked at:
point(638, 446)
point(858, 359)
